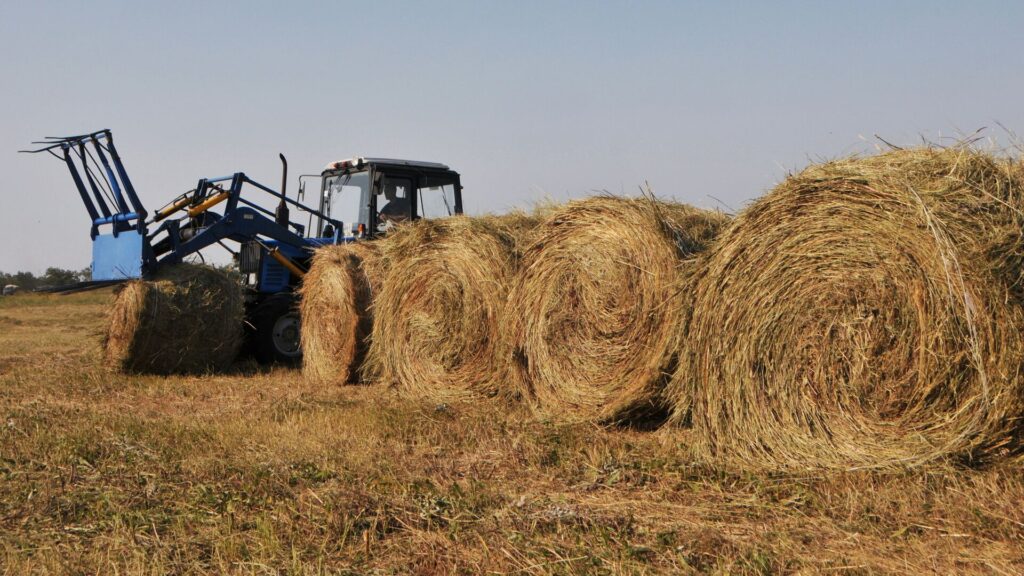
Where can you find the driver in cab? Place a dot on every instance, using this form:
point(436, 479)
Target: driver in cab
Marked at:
point(398, 207)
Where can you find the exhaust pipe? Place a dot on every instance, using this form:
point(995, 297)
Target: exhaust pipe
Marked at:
point(281, 215)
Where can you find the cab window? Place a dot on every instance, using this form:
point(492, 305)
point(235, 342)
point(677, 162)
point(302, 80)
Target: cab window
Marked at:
point(342, 200)
point(436, 197)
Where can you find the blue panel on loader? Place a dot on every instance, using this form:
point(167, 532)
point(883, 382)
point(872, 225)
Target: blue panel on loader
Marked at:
point(117, 257)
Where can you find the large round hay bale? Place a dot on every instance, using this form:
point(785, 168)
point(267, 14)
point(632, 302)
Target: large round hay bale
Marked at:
point(592, 319)
point(336, 310)
point(866, 312)
point(188, 319)
point(436, 314)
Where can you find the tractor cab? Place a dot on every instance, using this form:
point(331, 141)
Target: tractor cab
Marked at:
point(370, 195)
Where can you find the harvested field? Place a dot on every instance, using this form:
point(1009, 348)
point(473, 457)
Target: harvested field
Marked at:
point(268, 473)
point(187, 320)
point(436, 314)
point(591, 327)
point(337, 313)
point(865, 313)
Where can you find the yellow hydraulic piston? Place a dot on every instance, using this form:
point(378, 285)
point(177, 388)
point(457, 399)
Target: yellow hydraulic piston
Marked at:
point(286, 262)
point(208, 203)
point(177, 205)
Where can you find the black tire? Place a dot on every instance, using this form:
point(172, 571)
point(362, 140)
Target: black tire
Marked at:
point(273, 330)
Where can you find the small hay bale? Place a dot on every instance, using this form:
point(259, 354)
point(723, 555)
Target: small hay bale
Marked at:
point(336, 311)
point(865, 313)
point(186, 320)
point(592, 319)
point(436, 315)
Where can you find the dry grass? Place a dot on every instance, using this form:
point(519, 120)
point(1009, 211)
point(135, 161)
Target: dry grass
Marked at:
point(187, 320)
point(864, 313)
point(436, 314)
point(266, 473)
point(337, 314)
point(592, 321)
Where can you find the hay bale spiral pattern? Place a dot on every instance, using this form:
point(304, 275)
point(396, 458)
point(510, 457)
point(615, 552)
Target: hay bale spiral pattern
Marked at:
point(436, 314)
point(866, 312)
point(592, 321)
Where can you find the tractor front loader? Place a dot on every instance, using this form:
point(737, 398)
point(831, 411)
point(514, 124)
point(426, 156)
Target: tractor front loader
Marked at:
point(359, 199)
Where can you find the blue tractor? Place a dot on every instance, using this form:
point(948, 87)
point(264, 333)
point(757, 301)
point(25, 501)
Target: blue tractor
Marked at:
point(359, 199)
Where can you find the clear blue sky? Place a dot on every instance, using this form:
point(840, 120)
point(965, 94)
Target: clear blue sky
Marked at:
point(526, 99)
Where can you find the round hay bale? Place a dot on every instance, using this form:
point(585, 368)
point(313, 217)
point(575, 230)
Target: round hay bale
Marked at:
point(593, 316)
point(865, 313)
point(337, 317)
point(436, 315)
point(188, 319)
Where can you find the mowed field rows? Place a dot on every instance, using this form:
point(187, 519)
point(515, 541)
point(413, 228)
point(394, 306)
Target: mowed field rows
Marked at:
point(263, 472)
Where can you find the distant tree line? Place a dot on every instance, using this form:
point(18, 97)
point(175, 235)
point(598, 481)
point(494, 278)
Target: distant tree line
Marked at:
point(52, 277)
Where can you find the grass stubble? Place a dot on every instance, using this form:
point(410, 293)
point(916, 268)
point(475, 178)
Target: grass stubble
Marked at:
point(262, 472)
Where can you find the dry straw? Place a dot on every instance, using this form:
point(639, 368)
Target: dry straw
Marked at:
point(592, 319)
point(186, 320)
point(436, 314)
point(336, 311)
point(866, 312)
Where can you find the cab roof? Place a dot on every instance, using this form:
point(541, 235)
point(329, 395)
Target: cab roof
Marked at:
point(360, 161)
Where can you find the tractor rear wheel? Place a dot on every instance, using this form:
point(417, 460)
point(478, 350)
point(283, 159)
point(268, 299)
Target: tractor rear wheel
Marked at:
point(273, 330)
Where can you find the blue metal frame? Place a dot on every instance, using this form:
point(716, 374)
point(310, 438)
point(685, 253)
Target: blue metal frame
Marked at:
point(111, 201)
point(122, 207)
